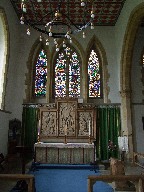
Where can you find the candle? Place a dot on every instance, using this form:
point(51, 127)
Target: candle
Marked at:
point(39, 127)
point(65, 130)
point(89, 128)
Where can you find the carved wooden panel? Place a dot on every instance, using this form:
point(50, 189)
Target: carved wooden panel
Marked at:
point(85, 123)
point(48, 123)
point(67, 118)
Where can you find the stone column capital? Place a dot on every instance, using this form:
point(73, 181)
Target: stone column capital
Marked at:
point(126, 93)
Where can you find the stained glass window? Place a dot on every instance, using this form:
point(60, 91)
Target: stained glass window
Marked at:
point(74, 76)
point(143, 60)
point(67, 73)
point(60, 76)
point(94, 75)
point(41, 74)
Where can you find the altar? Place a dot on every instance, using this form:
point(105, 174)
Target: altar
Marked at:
point(60, 153)
point(65, 133)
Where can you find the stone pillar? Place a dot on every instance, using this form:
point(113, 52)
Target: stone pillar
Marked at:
point(84, 81)
point(126, 120)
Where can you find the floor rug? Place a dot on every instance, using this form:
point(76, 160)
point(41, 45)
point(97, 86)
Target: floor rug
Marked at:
point(66, 178)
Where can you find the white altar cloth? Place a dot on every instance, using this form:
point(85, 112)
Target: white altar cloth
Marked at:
point(63, 145)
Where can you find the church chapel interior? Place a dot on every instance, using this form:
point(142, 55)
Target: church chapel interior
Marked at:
point(72, 82)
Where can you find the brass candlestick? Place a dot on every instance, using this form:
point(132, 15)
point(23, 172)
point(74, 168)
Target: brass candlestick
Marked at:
point(38, 139)
point(65, 140)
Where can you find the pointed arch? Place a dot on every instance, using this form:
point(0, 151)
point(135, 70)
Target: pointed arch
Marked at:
point(95, 44)
point(134, 21)
point(4, 52)
point(80, 56)
point(141, 62)
point(74, 43)
point(67, 71)
point(128, 43)
point(32, 60)
point(40, 74)
point(142, 58)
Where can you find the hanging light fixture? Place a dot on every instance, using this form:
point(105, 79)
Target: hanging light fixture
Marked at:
point(92, 25)
point(28, 31)
point(64, 44)
point(57, 48)
point(23, 6)
point(47, 41)
point(61, 19)
point(40, 38)
point(22, 20)
point(84, 36)
point(82, 3)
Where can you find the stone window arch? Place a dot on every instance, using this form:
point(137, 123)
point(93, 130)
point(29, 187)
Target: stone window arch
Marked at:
point(4, 40)
point(67, 73)
point(34, 95)
point(96, 64)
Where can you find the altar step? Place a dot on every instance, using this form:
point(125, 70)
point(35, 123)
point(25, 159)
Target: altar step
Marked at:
point(92, 167)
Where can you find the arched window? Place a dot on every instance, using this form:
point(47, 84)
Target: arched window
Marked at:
point(142, 63)
point(94, 75)
point(40, 75)
point(3, 53)
point(67, 73)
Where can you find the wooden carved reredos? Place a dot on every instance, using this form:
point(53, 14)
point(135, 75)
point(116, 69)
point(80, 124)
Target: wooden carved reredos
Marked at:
point(65, 117)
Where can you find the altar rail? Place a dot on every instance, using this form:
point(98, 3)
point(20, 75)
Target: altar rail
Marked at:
point(28, 178)
point(138, 159)
point(138, 180)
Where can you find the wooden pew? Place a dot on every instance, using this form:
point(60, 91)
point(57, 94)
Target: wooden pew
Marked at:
point(28, 178)
point(137, 180)
point(136, 157)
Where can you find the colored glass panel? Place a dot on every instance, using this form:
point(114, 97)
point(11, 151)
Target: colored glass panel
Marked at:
point(60, 76)
point(74, 76)
point(41, 74)
point(94, 75)
point(67, 74)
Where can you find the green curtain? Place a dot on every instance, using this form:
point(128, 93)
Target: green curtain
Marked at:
point(29, 124)
point(108, 129)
